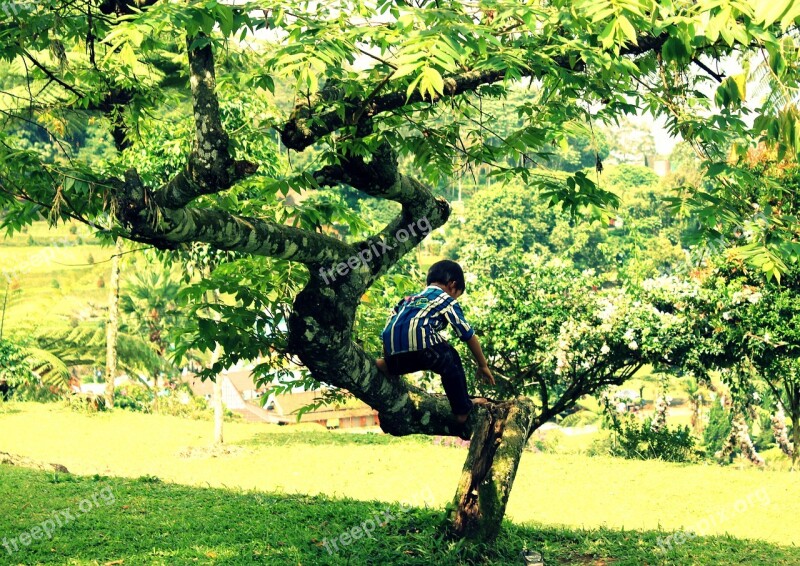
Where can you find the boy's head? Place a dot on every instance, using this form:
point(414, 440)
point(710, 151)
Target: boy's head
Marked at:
point(448, 274)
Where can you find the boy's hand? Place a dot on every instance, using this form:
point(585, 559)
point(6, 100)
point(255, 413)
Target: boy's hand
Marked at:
point(485, 374)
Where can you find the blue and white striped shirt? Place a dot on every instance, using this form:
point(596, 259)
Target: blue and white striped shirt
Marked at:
point(416, 321)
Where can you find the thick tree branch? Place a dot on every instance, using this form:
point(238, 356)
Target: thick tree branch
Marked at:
point(210, 167)
point(124, 7)
point(381, 178)
point(167, 228)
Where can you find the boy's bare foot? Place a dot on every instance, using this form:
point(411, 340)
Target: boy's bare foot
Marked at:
point(481, 401)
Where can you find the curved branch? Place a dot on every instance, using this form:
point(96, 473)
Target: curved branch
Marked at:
point(422, 211)
point(307, 124)
point(167, 228)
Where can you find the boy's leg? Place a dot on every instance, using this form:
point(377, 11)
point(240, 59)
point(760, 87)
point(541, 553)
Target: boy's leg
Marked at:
point(446, 362)
point(403, 363)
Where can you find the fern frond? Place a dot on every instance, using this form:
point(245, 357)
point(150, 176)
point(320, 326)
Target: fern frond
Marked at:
point(52, 370)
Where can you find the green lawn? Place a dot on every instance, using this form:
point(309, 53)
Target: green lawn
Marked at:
point(105, 520)
point(630, 502)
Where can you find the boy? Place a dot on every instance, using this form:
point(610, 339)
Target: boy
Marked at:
point(411, 340)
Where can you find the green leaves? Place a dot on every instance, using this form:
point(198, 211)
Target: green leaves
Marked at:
point(767, 13)
point(677, 50)
point(732, 92)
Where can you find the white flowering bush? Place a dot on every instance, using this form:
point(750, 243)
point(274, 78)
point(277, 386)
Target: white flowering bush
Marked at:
point(553, 333)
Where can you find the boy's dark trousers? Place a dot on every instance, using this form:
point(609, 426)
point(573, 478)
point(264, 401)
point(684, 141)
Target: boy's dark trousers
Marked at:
point(440, 358)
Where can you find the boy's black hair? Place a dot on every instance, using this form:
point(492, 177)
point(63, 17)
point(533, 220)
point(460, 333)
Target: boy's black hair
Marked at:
point(444, 272)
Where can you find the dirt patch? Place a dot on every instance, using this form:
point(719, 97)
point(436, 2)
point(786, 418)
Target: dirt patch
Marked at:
point(210, 451)
point(22, 461)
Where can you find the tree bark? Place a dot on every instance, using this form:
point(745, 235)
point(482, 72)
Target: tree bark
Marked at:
point(496, 448)
point(795, 410)
point(218, 409)
point(113, 325)
point(219, 413)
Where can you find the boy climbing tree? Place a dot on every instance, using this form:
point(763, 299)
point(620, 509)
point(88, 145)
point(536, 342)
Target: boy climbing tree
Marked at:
point(411, 339)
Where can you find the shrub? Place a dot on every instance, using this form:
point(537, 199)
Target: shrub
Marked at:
point(718, 429)
point(134, 397)
point(86, 402)
point(546, 441)
point(638, 440)
point(178, 402)
point(765, 439)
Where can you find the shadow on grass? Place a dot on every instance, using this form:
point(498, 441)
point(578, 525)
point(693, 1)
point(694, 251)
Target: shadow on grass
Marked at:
point(146, 521)
point(329, 438)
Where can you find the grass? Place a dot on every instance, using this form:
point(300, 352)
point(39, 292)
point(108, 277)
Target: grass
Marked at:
point(146, 521)
point(576, 508)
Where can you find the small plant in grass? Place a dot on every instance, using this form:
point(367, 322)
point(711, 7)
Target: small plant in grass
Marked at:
point(134, 397)
point(718, 429)
point(650, 439)
point(86, 403)
point(55, 284)
point(90, 259)
point(73, 229)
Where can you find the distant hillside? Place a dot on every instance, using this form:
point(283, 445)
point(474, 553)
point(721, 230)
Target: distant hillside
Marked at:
point(51, 275)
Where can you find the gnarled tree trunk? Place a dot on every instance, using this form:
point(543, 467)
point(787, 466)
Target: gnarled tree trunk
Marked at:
point(495, 450)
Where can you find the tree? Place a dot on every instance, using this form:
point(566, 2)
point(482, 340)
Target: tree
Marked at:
point(112, 328)
point(368, 84)
point(761, 331)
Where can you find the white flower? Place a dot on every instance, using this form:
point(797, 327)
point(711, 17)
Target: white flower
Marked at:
point(605, 349)
point(754, 298)
point(726, 315)
point(608, 311)
point(633, 345)
point(766, 337)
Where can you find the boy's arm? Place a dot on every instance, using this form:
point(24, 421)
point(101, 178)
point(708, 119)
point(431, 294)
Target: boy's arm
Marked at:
point(483, 367)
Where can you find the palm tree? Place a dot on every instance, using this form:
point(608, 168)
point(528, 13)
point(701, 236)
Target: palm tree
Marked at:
point(112, 328)
point(149, 301)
